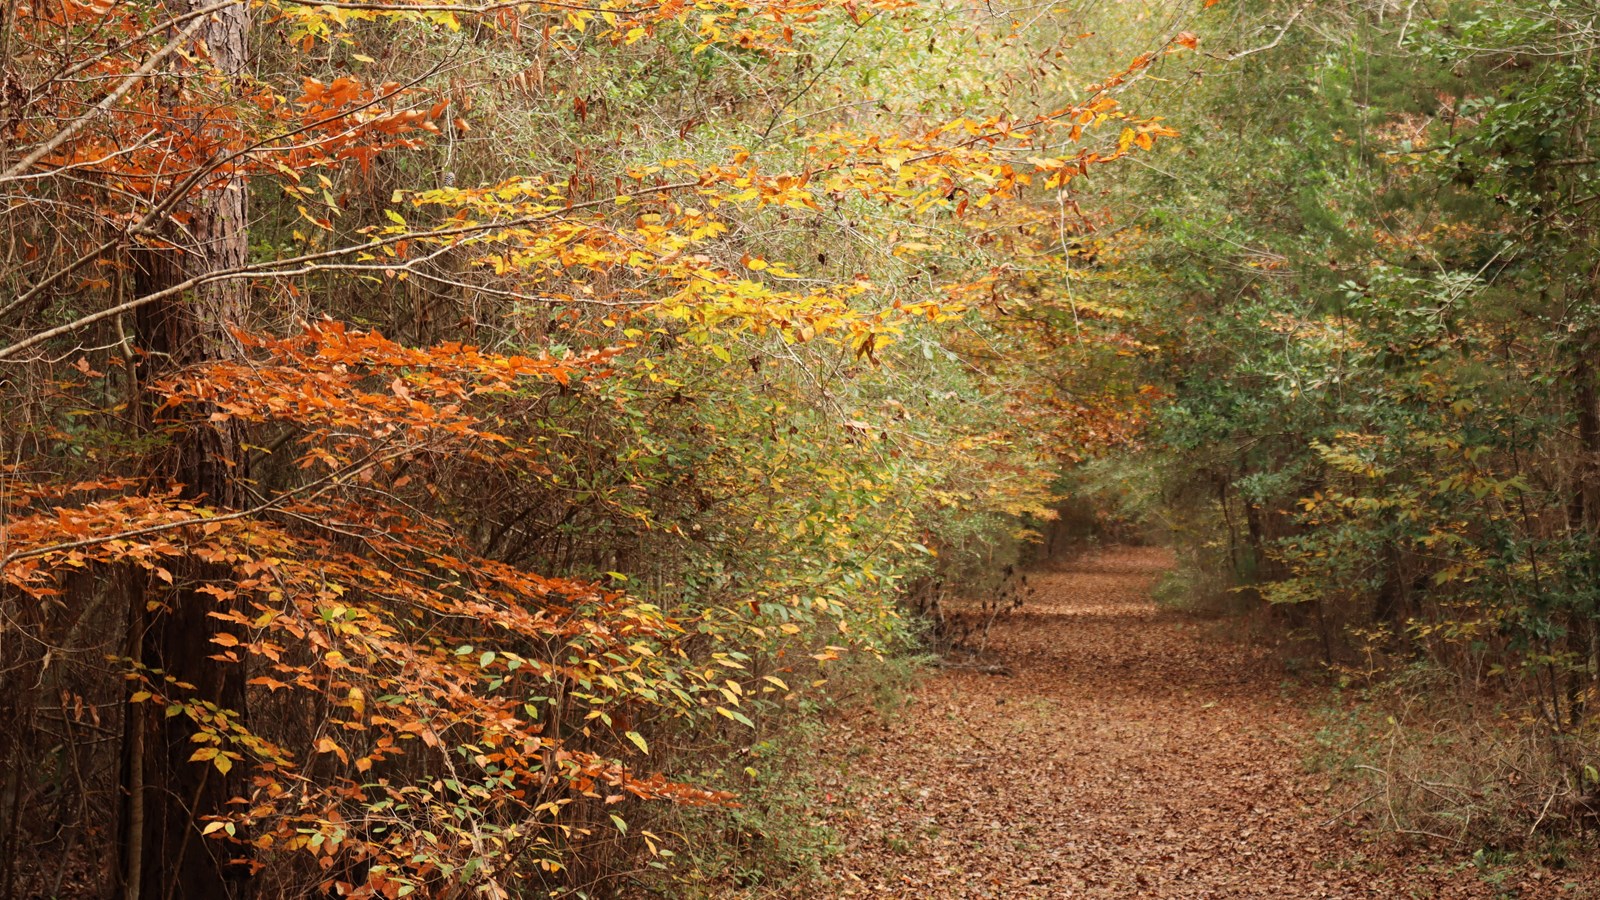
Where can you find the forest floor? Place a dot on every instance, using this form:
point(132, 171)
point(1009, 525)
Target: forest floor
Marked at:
point(1133, 752)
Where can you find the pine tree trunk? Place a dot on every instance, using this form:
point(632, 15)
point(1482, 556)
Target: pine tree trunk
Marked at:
point(168, 797)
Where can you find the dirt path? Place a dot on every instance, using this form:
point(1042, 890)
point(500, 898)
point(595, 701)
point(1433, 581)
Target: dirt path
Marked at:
point(1132, 754)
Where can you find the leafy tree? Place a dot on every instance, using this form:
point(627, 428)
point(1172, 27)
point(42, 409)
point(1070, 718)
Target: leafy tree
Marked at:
point(1372, 298)
point(433, 422)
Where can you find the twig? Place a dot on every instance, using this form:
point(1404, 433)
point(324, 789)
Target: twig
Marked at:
point(278, 268)
point(78, 124)
point(322, 484)
point(1536, 822)
point(1282, 30)
point(1359, 803)
point(983, 668)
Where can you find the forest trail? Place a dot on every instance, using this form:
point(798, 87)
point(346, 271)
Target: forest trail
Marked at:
point(1133, 754)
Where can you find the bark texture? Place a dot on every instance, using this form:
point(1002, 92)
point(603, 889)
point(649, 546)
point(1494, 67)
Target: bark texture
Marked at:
point(169, 798)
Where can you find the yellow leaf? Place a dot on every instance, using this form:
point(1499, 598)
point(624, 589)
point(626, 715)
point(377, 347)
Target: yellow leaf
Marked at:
point(638, 741)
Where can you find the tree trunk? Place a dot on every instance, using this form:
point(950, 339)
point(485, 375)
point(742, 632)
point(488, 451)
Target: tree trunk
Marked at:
point(1584, 505)
point(169, 798)
point(1584, 511)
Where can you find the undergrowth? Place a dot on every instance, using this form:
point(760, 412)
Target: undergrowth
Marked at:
point(1427, 759)
point(777, 839)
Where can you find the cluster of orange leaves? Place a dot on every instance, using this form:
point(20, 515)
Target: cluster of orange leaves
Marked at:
point(423, 654)
point(185, 127)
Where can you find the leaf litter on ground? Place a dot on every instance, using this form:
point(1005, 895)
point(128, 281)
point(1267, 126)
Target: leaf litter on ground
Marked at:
point(1132, 752)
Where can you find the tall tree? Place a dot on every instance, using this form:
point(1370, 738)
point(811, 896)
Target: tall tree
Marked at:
point(173, 624)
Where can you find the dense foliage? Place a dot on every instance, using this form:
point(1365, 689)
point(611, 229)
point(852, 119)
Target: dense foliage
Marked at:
point(1370, 272)
point(427, 424)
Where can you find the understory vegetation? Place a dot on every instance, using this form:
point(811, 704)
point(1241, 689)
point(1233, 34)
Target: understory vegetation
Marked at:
point(465, 449)
point(1367, 277)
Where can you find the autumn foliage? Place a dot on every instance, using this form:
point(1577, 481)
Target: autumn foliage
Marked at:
point(403, 493)
point(1374, 305)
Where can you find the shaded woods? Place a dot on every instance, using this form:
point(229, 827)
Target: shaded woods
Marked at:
point(459, 449)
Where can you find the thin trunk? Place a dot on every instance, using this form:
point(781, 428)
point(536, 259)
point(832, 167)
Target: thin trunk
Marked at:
point(1392, 602)
point(1584, 507)
point(1258, 543)
point(1227, 518)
